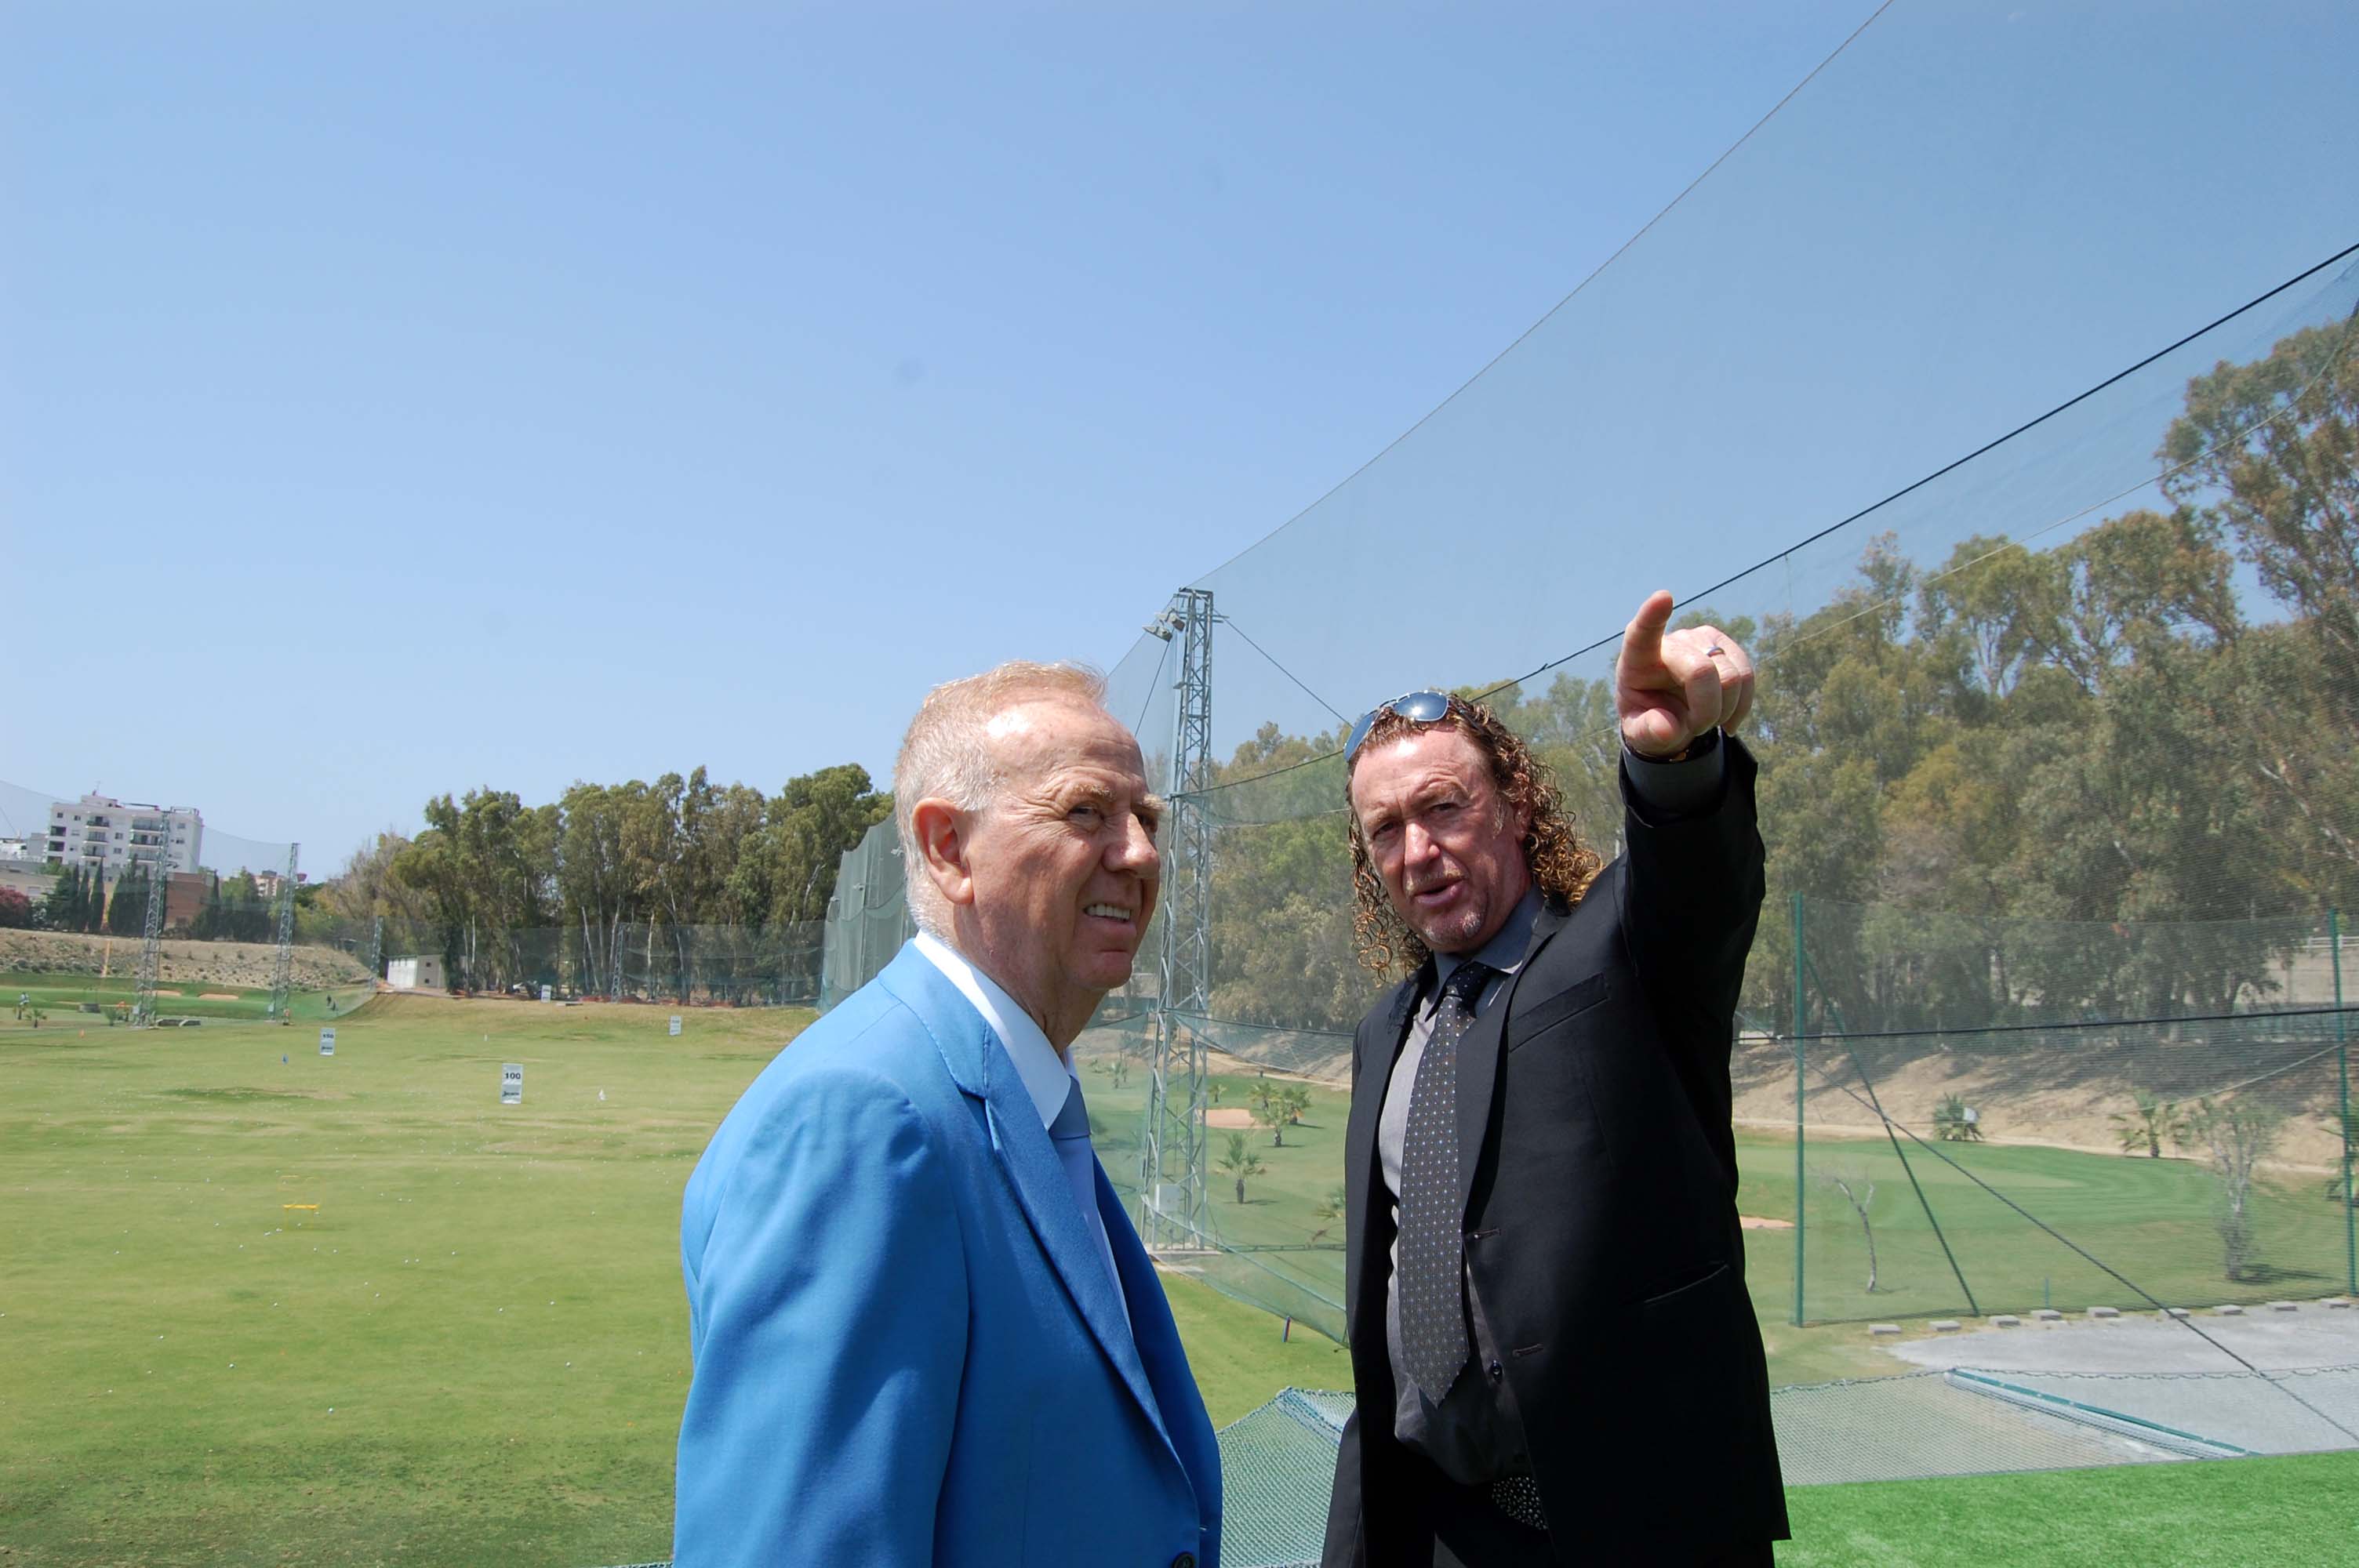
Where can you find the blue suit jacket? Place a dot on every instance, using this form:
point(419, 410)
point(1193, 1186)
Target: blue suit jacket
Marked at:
point(906, 1348)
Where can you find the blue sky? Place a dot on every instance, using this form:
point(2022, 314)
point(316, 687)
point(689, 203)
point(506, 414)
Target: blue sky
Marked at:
point(515, 394)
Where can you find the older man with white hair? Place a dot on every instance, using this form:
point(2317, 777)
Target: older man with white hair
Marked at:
point(924, 1330)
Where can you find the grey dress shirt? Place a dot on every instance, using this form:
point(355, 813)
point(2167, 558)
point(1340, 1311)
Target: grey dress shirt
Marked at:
point(1472, 1433)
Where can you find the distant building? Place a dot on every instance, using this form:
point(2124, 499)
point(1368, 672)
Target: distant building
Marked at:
point(184, 897)
point(15, 850)
point(423, 973)
point(99, 830)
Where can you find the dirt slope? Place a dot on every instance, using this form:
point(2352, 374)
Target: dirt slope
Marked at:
point(213, 963)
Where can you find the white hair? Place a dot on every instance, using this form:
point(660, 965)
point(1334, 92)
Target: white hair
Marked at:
point(946, 755)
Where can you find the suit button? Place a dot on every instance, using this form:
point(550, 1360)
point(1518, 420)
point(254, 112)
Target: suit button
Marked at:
point(1496, 1371)
point(1185, 1560)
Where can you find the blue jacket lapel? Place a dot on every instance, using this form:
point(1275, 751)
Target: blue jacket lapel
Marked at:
point(1177, 1407)
point(979, 1065)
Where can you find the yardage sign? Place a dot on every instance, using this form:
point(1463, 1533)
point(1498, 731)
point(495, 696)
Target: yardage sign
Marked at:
point(544, 992)
point(675, 1023)
point(327, 1043)
point(512, 1083)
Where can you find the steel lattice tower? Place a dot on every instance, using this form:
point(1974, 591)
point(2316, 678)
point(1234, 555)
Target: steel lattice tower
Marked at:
point(376, 952)
point(1172, 1155)
point(151, 938)
point(283, 974)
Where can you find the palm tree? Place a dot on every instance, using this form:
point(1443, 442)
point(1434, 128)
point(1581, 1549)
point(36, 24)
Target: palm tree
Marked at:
point(2150, 1125)
point(1240, 1162)
point(1296, 1100)
point(1269, 1111)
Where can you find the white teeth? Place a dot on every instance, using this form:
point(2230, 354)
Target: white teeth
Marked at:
point(1110, 911)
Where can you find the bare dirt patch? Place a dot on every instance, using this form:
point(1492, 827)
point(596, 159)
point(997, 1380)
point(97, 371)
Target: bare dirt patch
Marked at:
point(249, 964)
point(219, 996)
point(1228, 1116)
point(1762, 1222)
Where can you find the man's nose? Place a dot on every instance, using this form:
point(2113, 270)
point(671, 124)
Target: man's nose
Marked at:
point(1416, 844)
point(1136, 850)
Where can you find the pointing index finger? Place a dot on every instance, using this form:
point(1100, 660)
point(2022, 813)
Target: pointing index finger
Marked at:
point(1643, 638)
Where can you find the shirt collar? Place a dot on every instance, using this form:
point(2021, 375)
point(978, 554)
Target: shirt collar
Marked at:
point(1048, 1076)
point(1505, 950)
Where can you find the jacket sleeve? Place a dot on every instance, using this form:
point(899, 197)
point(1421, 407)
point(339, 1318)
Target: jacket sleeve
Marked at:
point(1690, 900)
point(828, 1310)
point(1692, 893)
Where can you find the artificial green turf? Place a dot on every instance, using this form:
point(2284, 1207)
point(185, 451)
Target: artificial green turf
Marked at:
point(2238, 1513)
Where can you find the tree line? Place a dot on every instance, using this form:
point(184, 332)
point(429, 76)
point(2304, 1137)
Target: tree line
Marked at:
point(82, 899)
point(610, 877)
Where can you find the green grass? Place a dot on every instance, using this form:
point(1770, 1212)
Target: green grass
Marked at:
point(2228, 1514)
point(1237, 1354)
point(2151, 1219)
point(474, 1351)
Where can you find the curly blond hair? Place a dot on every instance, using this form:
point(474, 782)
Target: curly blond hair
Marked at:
point(1561, 866)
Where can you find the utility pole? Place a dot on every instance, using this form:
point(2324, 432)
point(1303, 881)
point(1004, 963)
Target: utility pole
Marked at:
point(1172, 1154)
point(283, 973)
point(151, 938)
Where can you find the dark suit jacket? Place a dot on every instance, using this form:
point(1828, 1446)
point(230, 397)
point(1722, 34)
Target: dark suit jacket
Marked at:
point(1600, 1219)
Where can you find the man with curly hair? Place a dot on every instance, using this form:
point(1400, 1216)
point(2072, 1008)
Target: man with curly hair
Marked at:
point(1555, 1356)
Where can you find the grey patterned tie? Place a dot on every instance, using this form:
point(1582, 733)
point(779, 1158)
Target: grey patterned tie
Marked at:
point(1433, 1315)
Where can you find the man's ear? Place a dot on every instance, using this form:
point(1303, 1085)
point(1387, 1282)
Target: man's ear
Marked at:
point(942, 841)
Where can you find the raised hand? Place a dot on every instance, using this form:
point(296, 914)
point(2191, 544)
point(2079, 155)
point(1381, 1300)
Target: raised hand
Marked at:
point(1671, 686)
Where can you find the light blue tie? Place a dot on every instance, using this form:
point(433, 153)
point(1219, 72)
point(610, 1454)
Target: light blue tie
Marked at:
point(1071, 1134)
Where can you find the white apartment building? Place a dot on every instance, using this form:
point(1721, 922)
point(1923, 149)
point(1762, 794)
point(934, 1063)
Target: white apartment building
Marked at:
point(100, 830)
point(17, 849)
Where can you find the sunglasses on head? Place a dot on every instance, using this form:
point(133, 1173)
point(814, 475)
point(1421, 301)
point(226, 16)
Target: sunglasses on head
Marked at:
point(1416, 706)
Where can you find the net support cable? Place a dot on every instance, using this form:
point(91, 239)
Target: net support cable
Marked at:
point(1901, 1154)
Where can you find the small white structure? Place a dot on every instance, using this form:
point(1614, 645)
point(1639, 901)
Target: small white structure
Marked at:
point(420, 973)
